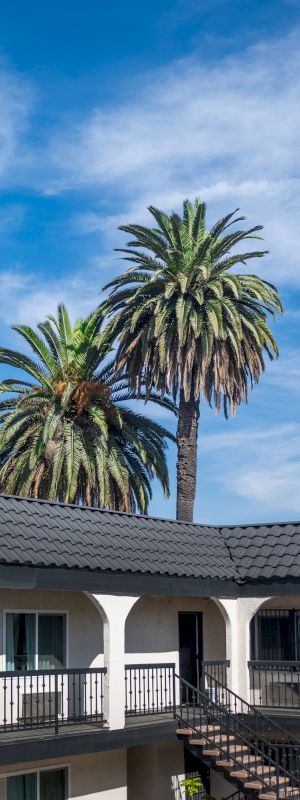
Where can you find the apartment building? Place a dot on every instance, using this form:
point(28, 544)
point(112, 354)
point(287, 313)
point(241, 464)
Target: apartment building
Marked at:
point(137, 651)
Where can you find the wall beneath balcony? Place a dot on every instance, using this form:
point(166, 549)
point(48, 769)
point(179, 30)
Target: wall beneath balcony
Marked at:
point(154, 772)
point(85, 625)
point(101, 776)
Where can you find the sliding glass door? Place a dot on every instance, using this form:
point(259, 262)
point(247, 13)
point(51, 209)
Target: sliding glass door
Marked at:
point(22, 787)
point(35, 641)
point(45, 785)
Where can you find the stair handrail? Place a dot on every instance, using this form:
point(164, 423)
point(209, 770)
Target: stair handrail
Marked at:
point(254, 709)
point(230, 728)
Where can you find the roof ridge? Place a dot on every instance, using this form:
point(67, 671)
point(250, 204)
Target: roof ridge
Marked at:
point(245, 525)
point(59, 504)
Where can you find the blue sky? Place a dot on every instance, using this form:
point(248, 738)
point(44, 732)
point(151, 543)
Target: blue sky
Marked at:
point(106, 108)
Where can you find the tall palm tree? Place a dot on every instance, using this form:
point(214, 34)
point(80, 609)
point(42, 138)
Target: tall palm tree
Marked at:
point(188, 325)
point(65, 433)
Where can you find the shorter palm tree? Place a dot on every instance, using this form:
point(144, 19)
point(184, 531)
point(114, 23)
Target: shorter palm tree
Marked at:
point(65, 433)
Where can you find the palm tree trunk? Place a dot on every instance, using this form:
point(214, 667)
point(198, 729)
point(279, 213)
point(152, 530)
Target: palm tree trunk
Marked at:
point(38, 477)
point(187, 434)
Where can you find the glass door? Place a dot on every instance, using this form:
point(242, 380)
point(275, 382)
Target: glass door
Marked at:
point(22, 787)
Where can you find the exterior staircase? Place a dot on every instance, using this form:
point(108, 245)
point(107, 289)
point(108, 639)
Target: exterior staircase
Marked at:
point(254, 753)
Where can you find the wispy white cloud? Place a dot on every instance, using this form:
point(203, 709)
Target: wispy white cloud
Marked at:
point(229, 133)
point(27, 298)
point(16, 99)
point(12, 217)
point(285, 373)
point(262, 467)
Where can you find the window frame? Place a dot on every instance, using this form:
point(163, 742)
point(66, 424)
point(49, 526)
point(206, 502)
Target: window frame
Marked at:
point(37, 772)
point(37, 613)
point(293, 613)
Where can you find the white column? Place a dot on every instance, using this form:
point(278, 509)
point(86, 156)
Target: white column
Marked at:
point(240, 613)
point(116, 609)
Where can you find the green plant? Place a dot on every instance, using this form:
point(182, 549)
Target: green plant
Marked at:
point(188, 325)
point(65, 430)
point(192, 786)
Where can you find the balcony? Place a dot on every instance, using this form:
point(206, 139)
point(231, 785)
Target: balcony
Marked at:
point(52, 700)
point(72, 700)
point(275, 684)
point(150, 689)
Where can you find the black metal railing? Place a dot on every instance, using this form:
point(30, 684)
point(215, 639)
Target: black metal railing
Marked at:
point(149, 689)
point(241, 736)
point(275, 684)
point(50, 698)
point(215, 670)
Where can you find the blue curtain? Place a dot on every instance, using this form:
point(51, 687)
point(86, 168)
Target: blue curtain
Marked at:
point(22, 787)
point(51, 641)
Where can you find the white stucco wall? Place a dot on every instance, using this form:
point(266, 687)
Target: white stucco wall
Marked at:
point(100, 776)
point(85, 626)
point(151, 631)
point(283, 602)
point(155, 771)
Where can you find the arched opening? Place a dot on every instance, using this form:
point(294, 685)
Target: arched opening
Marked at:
point(275, 654)
point(189, 633)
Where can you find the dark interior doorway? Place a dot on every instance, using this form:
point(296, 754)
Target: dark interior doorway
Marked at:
point(191, 646)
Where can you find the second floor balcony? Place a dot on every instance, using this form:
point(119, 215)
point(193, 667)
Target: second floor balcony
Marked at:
point(51, 700)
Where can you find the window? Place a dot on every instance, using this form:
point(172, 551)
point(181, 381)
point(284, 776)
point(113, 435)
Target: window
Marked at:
point(44, 785)
point(275, 635)
point(35, 641)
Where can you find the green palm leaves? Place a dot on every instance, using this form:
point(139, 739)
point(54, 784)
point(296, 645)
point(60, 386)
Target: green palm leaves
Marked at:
point(65, 431)
point(184, 321)
point(188, 325)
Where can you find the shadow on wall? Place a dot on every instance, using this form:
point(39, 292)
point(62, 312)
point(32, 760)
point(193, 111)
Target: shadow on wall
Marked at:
point(152, 625)
point(85, 625)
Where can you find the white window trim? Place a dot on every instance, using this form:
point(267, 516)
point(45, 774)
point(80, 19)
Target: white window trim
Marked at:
point(38, 771)
point(37, 613)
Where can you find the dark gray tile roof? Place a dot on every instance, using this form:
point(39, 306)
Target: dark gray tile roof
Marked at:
point(38, 533)
point(265, 551)
point(43, 534)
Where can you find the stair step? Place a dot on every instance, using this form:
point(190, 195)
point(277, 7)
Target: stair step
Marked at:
point(289, 791)
point(243, 774)
point(240, 774)
point(199, 742)
point(210, 740)
point(221, 738)
point(251, 761)
point(200, 728)
point(272, 780)
point(265, 769)
point(211, 753)
point(238, 748)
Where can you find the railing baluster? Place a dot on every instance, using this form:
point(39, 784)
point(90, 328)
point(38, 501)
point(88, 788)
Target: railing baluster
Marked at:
point(149, 689)
point(275, 684)
point(40, 698)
